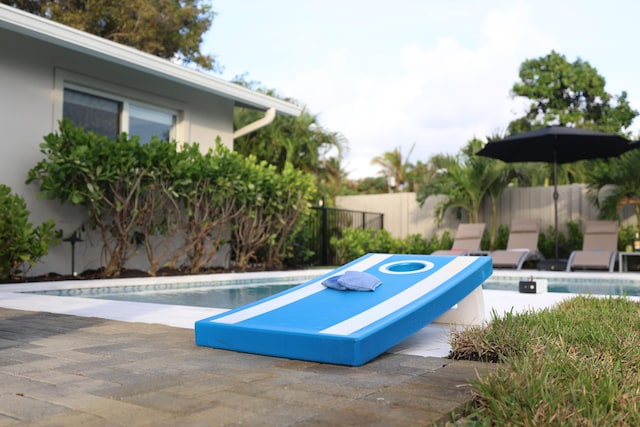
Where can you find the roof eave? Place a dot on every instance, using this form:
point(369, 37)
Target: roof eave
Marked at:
point(70, 38)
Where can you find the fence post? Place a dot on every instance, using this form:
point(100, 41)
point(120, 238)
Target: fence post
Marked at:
point(325, 235)
point(340, 219)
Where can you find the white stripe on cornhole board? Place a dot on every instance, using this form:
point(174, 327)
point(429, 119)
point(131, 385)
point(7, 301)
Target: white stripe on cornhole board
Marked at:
point(291, 297)
point(400, 300)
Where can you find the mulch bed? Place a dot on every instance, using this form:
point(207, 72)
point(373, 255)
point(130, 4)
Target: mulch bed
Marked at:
point(125, 273)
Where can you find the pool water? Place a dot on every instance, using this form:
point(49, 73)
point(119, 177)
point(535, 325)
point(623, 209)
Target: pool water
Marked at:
point(571, 283)
point(219, 296)
point(236, 293)
point(225, 294)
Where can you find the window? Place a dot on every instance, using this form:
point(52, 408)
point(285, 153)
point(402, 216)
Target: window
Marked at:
point(146, 122)
point(93, 113)
point(110, 117)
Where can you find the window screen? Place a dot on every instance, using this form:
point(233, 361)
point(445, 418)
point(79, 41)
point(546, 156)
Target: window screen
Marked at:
point(93, 113)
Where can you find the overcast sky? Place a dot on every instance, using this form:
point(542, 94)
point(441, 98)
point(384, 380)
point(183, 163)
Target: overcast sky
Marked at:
point(389, 74)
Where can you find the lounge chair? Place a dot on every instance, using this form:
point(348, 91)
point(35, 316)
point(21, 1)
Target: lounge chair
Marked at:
point(467, 240)
point(521, 246)
point(599, 247)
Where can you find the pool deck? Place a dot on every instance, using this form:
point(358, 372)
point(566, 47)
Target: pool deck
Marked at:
point(71, 370)
point(77, 361)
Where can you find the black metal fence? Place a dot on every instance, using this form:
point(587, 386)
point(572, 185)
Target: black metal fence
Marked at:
point(329, 222)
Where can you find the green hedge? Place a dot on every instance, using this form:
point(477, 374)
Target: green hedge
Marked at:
point(150, 196)
point(356, 242)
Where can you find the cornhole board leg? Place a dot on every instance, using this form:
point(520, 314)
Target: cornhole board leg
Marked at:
point(469, 311)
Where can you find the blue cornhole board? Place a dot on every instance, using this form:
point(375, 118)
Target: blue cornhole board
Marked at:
point(312, 322)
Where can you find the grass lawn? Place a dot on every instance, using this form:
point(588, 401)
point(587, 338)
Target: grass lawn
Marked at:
point(576, 364)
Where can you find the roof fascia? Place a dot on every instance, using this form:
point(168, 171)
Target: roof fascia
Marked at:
point(49, 31)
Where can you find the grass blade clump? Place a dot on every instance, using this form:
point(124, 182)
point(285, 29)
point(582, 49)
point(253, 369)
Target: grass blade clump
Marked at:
point(575, 364)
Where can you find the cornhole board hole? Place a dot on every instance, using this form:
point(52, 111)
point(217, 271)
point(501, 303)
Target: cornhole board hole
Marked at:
point(312, 322)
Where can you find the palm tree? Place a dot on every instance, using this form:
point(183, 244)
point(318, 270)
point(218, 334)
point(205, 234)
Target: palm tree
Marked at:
point(330, 178)
point(394, 167)
point(502, 175)
point(620, 176)
point(466, 179)
point(454, 177)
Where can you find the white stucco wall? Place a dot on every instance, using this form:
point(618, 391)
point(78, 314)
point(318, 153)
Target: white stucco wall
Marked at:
point(32, 73)
point(403, 215)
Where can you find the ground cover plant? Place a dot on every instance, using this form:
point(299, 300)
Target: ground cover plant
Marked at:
point(574, 364)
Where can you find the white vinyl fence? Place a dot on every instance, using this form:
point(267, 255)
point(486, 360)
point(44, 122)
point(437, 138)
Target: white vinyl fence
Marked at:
point(403, 215)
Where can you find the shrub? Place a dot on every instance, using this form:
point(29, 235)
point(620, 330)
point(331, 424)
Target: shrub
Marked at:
point(445, 242)
point(575, 237)
point(566, 245)
point(271, 207)
point(22, 243)
point(104, 176)
point(356, 242)
point(626, 235)
point(415, 244)
point(182, 205)
point(502, 237)
point(485, 242)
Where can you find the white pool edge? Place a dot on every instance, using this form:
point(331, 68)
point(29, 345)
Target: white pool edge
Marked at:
point(13, 296)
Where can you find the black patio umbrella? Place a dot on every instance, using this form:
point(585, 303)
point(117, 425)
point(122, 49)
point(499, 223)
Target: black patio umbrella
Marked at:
point(557, 145)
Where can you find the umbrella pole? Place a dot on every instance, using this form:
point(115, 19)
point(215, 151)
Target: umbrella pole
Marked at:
point(555, 199)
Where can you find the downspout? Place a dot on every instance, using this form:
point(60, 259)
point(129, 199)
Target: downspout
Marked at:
point(260, 123)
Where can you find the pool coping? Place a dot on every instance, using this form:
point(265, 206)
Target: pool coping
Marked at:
point(12, 296)
point(142, 281)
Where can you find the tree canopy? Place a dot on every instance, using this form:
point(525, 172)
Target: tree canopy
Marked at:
point(569, 94)
point(301, 141)
point(171, 29)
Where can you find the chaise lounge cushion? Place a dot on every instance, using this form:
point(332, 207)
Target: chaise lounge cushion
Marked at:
point(592, 259)
point(467, 240)
point(599, 247)
point(522, 245)
point(508, 258)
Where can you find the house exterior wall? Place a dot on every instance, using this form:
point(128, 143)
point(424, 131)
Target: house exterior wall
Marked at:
point(32, 76)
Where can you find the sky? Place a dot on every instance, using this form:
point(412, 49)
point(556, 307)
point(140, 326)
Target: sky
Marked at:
point(423, 73)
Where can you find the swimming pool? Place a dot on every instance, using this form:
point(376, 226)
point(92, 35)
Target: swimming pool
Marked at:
point(227, 293)
point(594, 283)
point(433, 340)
